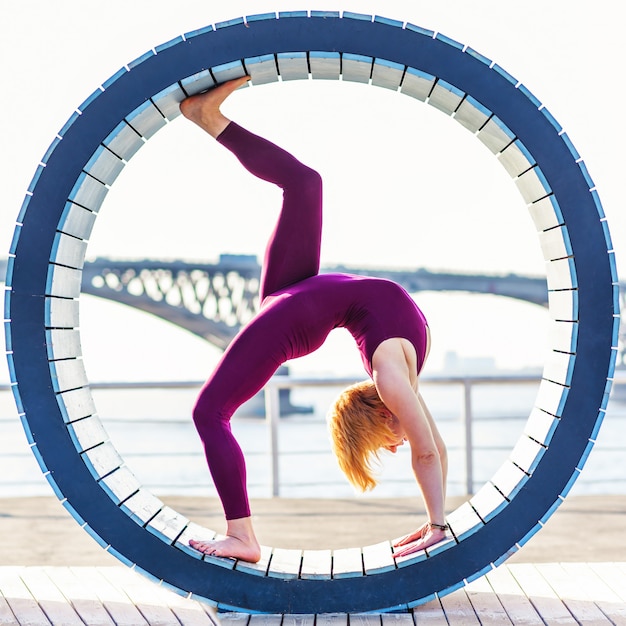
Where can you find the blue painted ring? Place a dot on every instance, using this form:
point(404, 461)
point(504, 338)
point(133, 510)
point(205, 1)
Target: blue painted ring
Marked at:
point(48, 250)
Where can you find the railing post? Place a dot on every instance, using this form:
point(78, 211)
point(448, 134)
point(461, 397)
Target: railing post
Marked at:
point(272, 416)
point(469, 444)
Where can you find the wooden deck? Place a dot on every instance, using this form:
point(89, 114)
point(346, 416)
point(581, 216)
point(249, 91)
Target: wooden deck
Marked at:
point(520, 593)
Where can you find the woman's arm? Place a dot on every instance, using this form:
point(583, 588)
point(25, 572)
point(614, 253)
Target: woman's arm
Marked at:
point(399, 393)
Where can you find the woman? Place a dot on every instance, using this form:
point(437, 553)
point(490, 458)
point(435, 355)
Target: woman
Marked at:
point(299, 307)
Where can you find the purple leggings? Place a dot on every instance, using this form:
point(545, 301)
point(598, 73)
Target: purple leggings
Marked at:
point(292, 254)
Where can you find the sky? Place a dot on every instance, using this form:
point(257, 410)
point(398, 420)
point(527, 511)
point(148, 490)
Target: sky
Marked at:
point(405, 186)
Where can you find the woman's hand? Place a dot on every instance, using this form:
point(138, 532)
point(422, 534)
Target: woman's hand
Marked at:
point(424, 537)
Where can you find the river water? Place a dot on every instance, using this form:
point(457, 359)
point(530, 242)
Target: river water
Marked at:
point(152, 430)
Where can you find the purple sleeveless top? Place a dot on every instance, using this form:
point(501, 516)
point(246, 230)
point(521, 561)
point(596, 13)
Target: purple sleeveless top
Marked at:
point(300, 317)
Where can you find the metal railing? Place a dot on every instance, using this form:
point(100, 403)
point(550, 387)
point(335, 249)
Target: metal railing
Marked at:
point(272, 410)
point(273, 388)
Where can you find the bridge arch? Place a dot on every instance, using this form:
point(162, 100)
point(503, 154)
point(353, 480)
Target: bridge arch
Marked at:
point(47, 258)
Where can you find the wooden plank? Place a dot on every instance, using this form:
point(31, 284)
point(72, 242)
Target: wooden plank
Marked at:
point(145, 120)
point(293, 65)
point(102, 460)
point(563, 305)
point(76, 404)
point(262, 69)
point(559, 367)
point(488, 502)
point(61, 313)
point(325, 65)
point(561, 274)
point(564, 336)
point(234, 619)
point(551, 397)
point(229, 71)
point(516, 159)
point(68, 251)
point(81, 596)
point(509, 479)
point(356, 68)
point(68, 374)
point(445, 97)
point(6, 614)
point(347, 563)
point(146, 596)
point(77, 221)
point(63, 282)
point(471, 114)
point(387, 619)
point(597, 590)
point(378, 558)
point(459, 609)
point(142, 506)
point(495, 135)
point(116, 602)
point(546, 213)
point(167, 525)
point(527, 453)
point(52, 602)
point(189, 612)
point(430, 613)
point(368, 619)
point(573, 593)
point(285, 563)
point(63, 343)
point(120, 484)
point(486, 603)
point(541, 426)
point(168, 101)
point(545, 600)
point(104, 165)
point(194, 531)
point(265, 620)
point(387, 74)
point(417, 84)
point(304, 619)
point(88, 192)
point(464, 521)
point(533, 185)
point(123, 141)
point(24, 607)
point(316, 564)
point(87, 433)
point(331, 619)
point(196, 83)
point(614, 577)
point(518, 607)
point(555, 243)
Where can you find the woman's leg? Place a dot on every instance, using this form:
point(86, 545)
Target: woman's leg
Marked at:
point(244, 369)
point(293, 250)
point(292, 255)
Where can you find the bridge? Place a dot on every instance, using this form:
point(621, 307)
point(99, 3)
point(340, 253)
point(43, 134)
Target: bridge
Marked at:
point(213, 300)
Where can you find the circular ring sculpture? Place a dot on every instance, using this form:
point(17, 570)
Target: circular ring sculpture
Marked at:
point(44, 279)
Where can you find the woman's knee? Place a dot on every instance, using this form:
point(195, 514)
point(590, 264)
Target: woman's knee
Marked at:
point(207, 421)
point(306, 179)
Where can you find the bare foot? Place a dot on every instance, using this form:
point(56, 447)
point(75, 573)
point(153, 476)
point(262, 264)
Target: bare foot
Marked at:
point(424, 537)
point(240, 542)
point(229, 547)
point(204, 108)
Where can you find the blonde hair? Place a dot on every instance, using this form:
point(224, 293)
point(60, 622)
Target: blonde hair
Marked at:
point(358, 431)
